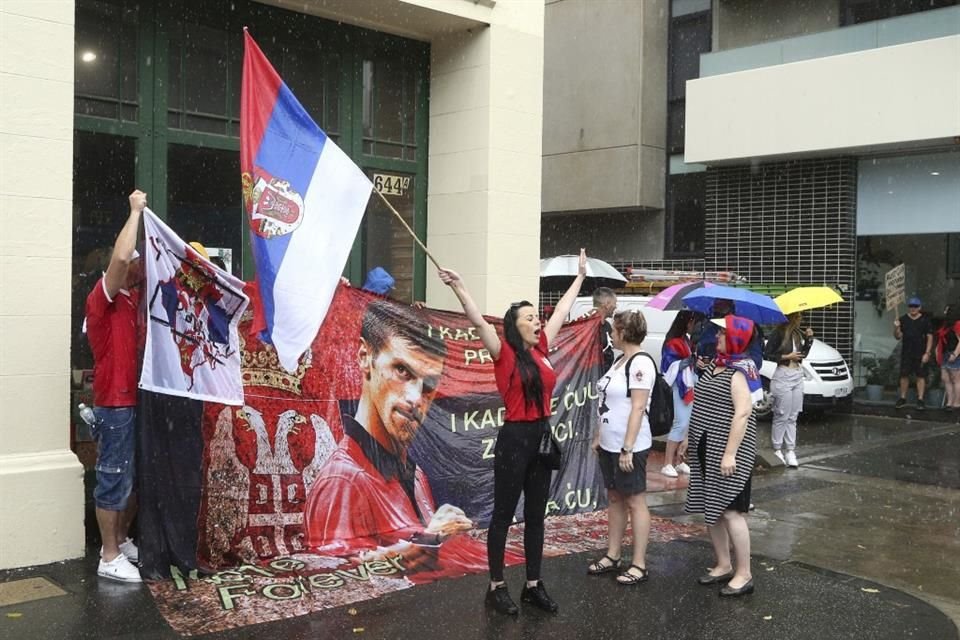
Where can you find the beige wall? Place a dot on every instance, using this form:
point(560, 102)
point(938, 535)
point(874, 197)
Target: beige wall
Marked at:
point(486, 110)
point(739, 23)
point(41, 481)
point(887, 98)
point(604, 121)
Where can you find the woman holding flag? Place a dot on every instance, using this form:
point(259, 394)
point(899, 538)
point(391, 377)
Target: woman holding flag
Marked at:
point(525, 379)
point(677, 361)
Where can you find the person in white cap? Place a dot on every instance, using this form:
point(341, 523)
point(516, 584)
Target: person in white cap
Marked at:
point(112, 329)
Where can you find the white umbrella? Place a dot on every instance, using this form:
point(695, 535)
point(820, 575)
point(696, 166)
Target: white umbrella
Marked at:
point(566, 266)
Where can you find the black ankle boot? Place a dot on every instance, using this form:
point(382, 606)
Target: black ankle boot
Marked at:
point(501, 601)
point(538, 597)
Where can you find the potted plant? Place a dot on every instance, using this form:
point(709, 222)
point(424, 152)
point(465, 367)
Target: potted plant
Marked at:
point(875, 380)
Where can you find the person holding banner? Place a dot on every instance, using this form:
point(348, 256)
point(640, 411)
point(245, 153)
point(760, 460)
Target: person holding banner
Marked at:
point(112, 325)
point(622, 443)
point(525, 379)
point(915, 330)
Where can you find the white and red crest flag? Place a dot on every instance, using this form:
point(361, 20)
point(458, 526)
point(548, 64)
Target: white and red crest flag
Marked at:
point(193, 309)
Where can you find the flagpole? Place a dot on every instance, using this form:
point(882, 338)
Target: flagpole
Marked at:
point(409, 230)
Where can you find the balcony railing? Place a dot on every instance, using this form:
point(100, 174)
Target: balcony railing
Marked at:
point(938, 23)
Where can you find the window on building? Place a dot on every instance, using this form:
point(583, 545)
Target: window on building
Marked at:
point(390, 98)
point(859, 11)
point(686, 194)
point(105, 61)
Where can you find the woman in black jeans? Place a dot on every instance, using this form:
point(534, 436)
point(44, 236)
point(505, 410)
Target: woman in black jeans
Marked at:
point(525, 380)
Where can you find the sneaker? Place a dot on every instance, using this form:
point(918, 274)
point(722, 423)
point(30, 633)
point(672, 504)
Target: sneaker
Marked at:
point(128, 549)
point(779, 456)
point(537, 596)
point(901, 403)
point(684, 468)
point(501, 601)
point(791, 460)
point(669, 470)
point(921, 406)
point(119, 569)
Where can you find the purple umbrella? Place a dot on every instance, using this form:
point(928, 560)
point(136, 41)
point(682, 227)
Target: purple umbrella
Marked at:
point(671, 298)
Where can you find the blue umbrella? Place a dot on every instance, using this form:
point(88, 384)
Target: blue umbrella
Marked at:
point(759, 308)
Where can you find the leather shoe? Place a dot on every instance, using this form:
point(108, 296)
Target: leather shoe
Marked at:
point(729, 591)
point(537, 596)
point(501, 601)
point(709, 579)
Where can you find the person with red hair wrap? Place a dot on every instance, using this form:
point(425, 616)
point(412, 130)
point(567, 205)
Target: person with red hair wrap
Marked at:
point(723, 431)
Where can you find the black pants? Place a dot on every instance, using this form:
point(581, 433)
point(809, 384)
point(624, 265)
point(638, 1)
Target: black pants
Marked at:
point(516, 469)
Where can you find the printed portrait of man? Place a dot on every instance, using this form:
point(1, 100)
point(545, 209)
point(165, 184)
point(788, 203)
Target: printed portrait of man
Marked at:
point(370, 498)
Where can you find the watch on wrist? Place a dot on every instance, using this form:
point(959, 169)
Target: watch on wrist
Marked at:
point(624, 450)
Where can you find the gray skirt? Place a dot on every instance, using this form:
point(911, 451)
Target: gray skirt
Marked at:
point(624, 483)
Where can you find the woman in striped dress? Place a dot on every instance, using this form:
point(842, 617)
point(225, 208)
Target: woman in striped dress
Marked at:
point(723, 432)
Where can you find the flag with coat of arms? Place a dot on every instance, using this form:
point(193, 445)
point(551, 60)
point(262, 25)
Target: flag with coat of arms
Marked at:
point(193, 310)
point(304, 199)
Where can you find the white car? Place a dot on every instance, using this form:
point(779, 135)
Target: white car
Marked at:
point(826, 376)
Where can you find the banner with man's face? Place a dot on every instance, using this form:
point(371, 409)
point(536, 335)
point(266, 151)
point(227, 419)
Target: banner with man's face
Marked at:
point(392, 414)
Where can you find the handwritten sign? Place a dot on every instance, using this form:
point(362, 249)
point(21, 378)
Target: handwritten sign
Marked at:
point(895, 282)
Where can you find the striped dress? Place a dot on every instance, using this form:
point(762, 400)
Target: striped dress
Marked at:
point(711, 493)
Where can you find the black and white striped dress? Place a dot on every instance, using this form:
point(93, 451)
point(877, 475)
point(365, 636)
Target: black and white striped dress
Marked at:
point(710, 493)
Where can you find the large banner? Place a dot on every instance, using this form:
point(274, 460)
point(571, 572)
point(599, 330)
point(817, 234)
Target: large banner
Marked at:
point(381, 442)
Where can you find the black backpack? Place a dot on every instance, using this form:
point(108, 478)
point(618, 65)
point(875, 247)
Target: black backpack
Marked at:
point(660, 413)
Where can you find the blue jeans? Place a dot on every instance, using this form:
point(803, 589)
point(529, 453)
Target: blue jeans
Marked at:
point(116, 464)
point(681, 417)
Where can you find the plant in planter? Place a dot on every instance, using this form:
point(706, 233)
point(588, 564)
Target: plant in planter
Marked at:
point(881, 372)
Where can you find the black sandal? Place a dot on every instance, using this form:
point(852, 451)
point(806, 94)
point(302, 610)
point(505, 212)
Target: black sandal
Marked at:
point(598, 569)
point(626, 578)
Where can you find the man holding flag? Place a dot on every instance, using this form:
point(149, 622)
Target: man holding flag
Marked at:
point(304, 199)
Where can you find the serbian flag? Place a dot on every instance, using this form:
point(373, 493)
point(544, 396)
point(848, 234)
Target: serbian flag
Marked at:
point(193, 310)
point(304, 199)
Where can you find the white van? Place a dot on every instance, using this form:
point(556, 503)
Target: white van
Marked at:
point(826, 377)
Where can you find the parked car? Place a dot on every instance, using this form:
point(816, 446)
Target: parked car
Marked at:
point(826, 376)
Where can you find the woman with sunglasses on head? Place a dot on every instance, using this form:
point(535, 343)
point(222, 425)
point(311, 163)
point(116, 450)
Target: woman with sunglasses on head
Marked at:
point(723, 432)
point(622, 443)
point(525, 380)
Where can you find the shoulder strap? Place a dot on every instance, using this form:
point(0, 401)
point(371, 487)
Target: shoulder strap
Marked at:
point(626, 368)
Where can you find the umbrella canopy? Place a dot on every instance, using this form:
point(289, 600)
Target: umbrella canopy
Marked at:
point(806, 298)
point(602, 273)
point(759, 308)
point(671, 298)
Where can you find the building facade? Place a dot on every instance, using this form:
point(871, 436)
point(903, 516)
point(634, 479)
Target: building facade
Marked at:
point(439, 101)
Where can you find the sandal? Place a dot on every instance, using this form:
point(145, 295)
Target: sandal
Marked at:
point(627, 578)
point(597, 567)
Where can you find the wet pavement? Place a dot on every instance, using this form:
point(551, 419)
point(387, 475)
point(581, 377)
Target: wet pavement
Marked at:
point(861, 542)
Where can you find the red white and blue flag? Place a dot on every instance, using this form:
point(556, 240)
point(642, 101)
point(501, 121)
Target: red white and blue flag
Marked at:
point(304, 199)
point(193, 310)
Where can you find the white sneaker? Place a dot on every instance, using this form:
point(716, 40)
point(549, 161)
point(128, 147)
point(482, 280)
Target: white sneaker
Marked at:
point(119, 569)
point(792, 460)
point(779, 456)
point(683, 467)
point(128, 549)
point(669, 471)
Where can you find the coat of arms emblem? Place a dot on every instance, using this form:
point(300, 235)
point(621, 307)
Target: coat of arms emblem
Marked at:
point(275, 209)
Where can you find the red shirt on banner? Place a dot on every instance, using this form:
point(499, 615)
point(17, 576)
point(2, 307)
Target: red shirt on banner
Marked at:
point(509, 385)
point(112, 332)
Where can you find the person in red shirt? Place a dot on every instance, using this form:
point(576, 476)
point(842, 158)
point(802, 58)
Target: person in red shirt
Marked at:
point(112, 329)
point(525, 380)
point(370, 498)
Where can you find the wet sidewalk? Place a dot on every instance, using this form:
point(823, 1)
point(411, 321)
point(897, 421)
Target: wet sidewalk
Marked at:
point(792, 600)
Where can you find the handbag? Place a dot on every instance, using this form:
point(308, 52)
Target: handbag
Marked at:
point(549, 450)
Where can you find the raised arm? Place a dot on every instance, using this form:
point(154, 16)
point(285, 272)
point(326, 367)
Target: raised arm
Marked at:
point(123, 248)
point(488, 335)
point(566, 302)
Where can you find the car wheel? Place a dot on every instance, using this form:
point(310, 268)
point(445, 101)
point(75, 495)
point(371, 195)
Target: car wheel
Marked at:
point(764, 408)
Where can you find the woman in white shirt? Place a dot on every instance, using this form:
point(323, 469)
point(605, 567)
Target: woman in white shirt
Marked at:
point(622, 442)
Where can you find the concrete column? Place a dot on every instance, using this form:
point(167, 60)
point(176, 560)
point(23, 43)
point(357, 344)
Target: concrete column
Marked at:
point(41, 480)
point(483, 203)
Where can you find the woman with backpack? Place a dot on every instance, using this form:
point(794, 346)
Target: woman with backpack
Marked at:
point(622, 443)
